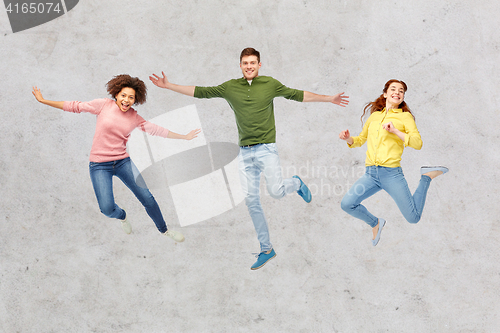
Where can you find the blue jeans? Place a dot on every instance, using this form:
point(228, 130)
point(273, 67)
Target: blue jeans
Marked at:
point(101, 175)
point(393, 182)
point(253, 161)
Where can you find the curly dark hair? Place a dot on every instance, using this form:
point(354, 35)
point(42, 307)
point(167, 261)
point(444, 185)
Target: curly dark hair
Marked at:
point(116, 84)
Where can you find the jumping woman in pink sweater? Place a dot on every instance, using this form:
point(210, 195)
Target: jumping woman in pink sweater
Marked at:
point(116, 119)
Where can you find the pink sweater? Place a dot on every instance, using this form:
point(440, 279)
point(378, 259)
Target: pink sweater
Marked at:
point(113, 128)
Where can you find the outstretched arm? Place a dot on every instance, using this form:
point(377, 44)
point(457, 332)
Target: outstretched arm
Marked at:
point(163, 82)
point(339, 99)
point(38, 95)
point(191, 135)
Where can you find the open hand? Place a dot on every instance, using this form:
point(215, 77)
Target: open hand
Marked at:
point(193, 134)
point(38, 94)
point(161, 82)
point(340, 99)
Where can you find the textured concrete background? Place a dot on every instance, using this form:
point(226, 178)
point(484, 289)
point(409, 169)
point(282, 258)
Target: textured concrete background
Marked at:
point(64, 267)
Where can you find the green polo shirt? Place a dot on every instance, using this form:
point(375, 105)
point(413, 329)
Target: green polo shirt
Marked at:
point(252, 105)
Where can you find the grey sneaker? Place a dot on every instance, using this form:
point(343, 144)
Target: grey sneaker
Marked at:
point(175, 235)
point(126, 226)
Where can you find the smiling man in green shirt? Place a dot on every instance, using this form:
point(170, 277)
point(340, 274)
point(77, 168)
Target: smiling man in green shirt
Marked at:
point(251, 98)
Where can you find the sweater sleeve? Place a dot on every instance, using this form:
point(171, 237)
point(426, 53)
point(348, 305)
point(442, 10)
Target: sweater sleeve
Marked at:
point(93, 107)
point(151, 128)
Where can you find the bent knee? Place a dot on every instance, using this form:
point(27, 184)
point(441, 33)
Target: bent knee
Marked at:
point(413, 220)
point(107, 210)
point(346, 205)
point(276, 192)
point(276, 195)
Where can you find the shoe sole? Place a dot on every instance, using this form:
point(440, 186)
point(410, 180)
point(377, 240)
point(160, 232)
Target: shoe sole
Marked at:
point(426, 169)
point(175, 240)
point(255, 268)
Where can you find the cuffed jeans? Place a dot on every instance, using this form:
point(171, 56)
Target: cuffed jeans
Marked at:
point(101, 175)
point(393, 182)
point(253, 161)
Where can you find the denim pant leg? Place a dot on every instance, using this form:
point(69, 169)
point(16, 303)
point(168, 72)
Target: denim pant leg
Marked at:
point(101, 175)
point(411, 206)
point(252, 162)
point(128, 173)
point(362, 189)
point(250, 183)
point(420, 193)
point(268, 161)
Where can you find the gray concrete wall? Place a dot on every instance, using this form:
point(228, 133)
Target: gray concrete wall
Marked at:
point(64, 267)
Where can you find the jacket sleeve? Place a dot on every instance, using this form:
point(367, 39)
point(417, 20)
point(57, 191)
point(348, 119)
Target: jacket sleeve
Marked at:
point(362, 137)
point(412, 135)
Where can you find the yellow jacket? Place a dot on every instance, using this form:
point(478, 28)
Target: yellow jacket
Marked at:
point(385, 148)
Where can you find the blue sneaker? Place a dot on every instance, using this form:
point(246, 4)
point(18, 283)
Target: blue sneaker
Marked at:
point(304, 191)
point(263, 258)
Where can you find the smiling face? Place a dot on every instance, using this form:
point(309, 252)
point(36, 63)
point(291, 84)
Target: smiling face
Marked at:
point(125, 98)
point(395, 95)
point(250, 67)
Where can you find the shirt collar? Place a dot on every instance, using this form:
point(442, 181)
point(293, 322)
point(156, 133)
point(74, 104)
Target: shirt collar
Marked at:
point(255, 79)
point(394, 110)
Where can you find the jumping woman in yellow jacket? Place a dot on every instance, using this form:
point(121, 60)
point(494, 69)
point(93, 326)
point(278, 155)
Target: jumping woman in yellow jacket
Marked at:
point(389, 129)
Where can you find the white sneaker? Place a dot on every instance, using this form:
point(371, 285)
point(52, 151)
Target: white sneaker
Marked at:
point(175, 235)
point(126, 226)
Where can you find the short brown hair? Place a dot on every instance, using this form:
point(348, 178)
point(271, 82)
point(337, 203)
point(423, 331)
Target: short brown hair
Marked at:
point(116, 84)
point(250, 51)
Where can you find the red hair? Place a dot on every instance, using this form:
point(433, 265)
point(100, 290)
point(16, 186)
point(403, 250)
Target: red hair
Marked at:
point(379, 103)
